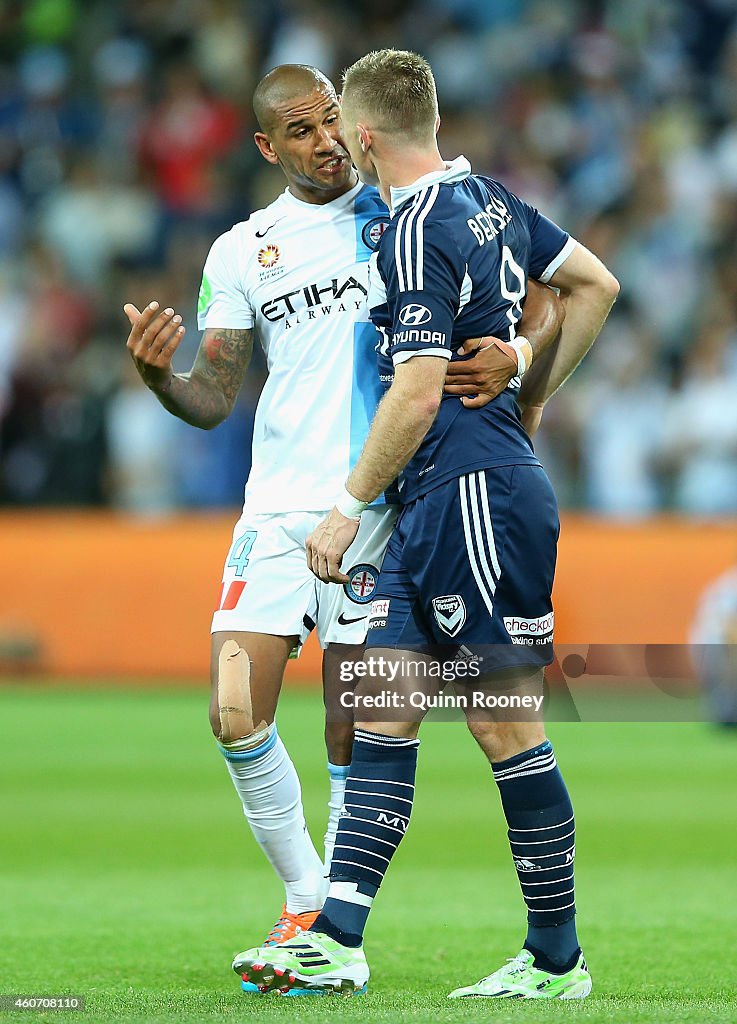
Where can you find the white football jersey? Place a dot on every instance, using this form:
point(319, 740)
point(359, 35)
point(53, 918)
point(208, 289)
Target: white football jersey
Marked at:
point(297, 274)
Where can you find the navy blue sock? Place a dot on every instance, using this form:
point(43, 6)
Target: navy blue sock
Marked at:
point(378, 803)
point(542, 838)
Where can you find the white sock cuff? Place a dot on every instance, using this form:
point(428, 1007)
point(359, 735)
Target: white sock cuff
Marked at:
point(348, 893)
point(248, 748)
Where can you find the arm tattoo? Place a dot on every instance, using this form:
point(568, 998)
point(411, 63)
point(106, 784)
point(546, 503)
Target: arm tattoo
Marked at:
point(206, 395)
point(223, 357)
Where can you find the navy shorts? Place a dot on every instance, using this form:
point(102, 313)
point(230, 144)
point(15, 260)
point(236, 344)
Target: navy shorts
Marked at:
point(470, 564)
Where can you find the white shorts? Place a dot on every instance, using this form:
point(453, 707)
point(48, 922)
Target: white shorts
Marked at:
point(268, 587)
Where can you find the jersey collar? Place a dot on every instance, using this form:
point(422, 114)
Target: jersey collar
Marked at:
point(455, 170)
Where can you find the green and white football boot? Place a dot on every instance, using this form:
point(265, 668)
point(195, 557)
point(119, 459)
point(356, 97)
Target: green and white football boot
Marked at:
point(310, 960)
point(520, 979)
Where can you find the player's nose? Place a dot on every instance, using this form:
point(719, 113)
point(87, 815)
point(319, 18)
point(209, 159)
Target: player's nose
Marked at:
point(326, 142)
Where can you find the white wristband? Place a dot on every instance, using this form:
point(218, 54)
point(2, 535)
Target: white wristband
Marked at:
point(524, 353)
point(349, 506)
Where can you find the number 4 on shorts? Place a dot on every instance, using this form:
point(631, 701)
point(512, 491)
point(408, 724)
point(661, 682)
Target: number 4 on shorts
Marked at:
point(241, 549)
point(230, 594)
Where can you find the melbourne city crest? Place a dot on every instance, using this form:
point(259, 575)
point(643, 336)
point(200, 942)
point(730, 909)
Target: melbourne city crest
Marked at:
point(361, 583)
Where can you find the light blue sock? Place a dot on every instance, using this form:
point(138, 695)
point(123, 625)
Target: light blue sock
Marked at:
point(338, 774)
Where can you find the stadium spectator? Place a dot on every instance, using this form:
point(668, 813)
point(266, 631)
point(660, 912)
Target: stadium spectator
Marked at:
point(700, 427)
point(620, 416)
point(91, 220)
point(186, 134)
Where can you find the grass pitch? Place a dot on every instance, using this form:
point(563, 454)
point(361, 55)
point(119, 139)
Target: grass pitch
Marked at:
point(128, 875)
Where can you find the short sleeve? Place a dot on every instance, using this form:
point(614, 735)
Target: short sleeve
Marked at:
point(425, 274)
point(222, 300)
point(550, 246)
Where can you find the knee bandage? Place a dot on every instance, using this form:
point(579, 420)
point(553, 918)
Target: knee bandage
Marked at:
point(234, 699)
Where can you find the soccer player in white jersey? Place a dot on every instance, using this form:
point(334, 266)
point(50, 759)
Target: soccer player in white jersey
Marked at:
point(296, 273)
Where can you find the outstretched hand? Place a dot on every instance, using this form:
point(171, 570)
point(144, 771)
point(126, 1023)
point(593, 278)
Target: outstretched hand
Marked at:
point(327, 544)
point(152, 342)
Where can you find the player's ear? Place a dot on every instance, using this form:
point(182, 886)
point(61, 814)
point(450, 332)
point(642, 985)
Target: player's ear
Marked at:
point(437, 123)
point(263, 144)
point(364, 138)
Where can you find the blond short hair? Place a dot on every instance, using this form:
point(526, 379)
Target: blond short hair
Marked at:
point(395, 89)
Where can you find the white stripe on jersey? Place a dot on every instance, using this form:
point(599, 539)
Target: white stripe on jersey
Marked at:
point(432, 196)
point(409, 231)
point(403, 217)
point(397, 248)
point(466, 289)
point(558, 260)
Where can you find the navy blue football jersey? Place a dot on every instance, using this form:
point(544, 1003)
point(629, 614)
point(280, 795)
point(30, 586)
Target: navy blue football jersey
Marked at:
point(453, 264)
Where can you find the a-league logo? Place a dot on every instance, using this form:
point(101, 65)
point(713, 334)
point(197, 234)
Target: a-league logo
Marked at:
point(268, 256)
point(450, 613)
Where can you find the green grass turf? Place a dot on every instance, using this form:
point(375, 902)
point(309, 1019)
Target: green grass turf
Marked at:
point(128, 875)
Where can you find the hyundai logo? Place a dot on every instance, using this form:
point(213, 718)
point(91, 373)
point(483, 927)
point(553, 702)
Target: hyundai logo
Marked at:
point(413, 315)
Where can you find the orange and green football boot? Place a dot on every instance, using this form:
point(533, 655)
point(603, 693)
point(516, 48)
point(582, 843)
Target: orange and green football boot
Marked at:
point(285, 928)
point(310, 963)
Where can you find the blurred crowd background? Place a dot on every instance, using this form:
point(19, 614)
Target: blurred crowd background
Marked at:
point(125, 148)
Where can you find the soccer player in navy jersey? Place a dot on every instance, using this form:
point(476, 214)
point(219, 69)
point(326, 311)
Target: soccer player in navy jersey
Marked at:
point(471, 560)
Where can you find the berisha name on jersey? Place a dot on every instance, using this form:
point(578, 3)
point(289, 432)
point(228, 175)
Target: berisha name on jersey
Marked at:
point(297, 274)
